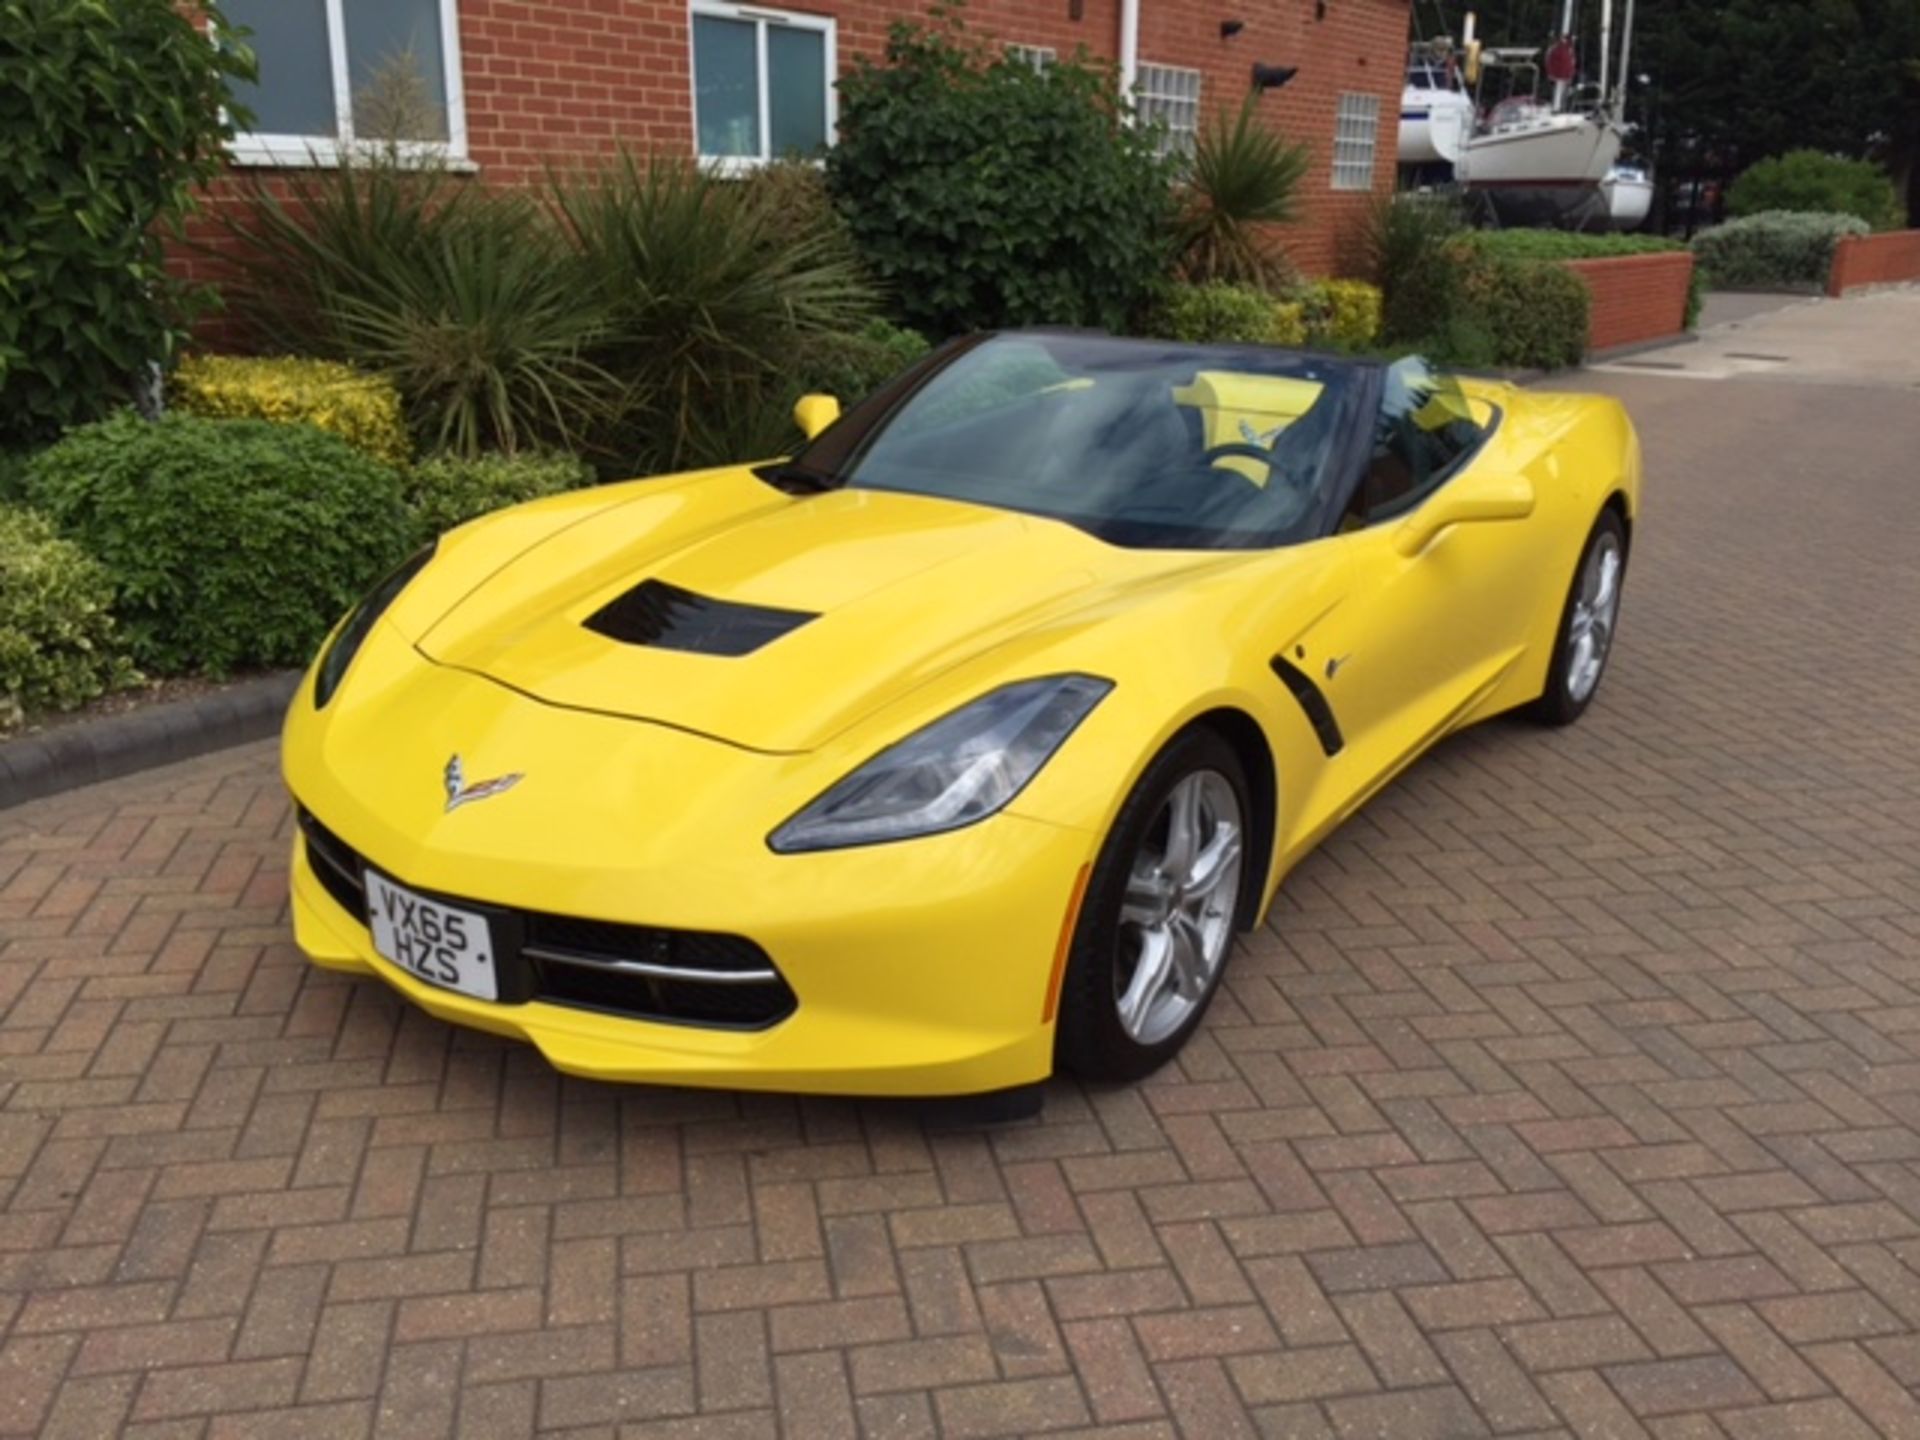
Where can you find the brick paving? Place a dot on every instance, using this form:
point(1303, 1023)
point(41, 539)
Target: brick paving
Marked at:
point(1574, 1090)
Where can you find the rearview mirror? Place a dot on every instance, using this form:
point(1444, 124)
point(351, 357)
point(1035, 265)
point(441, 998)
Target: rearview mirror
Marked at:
point(814, 413)
point(1509, 497)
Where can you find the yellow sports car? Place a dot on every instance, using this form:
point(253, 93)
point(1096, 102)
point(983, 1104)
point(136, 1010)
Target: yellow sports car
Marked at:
point(957, 746)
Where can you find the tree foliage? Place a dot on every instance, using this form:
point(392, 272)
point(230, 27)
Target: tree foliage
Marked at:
point(1806, 180)
point(111, 112)
point(984, 192)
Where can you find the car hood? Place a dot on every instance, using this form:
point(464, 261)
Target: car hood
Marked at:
point(881, 592)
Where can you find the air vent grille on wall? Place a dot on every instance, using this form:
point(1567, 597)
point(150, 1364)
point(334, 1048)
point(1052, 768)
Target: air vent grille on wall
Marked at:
point(669, 618)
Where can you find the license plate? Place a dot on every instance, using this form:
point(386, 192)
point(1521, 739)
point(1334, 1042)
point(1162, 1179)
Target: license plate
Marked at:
point(444, 946)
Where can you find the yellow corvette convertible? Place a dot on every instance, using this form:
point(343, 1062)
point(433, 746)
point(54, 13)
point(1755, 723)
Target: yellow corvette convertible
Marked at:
point(957, 746)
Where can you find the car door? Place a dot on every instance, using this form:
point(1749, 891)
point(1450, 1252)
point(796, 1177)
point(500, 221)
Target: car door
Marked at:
point(1437, 610)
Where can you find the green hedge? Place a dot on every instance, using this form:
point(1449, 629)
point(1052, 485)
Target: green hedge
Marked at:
point(450, 490)
point(1573, 245)
point(1809, 181)
point(1778, 248)
point(231, 542)
point(58, 645)
point(1533, 313)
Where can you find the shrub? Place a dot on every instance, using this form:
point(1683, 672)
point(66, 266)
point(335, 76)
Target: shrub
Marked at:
point(1807, 180)
point(1772, 249)
point(450, 490)
point(231, 542)
point(1222, 313)
point(1534, 312)
point(1342, 313)
point(1408, 244)
point(466, 299)
point(984, 192)
point(1243, 178)
point(58, 645)
point(363, 410)
point(110, 116)
point(1575, 245)
point(851, 367)
point(708, 294)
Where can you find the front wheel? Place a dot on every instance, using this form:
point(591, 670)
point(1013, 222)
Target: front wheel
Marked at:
point(1159, 915)
point(1587, 623)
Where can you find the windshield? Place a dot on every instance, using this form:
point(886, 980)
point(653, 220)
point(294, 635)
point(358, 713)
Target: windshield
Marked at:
point(1143, 443)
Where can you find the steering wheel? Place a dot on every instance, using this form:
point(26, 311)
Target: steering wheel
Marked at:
point(1270, 458)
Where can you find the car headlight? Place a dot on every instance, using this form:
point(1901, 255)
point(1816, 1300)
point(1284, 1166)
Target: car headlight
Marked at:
point(958, 770)
point(348, 639)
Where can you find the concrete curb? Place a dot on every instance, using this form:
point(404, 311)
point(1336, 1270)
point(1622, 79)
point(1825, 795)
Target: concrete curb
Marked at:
point(95, 750)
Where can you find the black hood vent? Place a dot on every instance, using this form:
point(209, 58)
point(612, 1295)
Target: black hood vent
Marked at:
point(669, 618)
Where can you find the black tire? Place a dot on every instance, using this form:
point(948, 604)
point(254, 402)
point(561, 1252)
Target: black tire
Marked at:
point(1558, 703)
point(1090, 1039)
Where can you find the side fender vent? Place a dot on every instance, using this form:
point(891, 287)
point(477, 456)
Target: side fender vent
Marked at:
point(669, 618)
point(1318, 712)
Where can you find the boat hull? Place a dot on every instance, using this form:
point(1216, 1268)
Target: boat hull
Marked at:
point(1546, 173)
point(1434, 126)
point(1629, 200)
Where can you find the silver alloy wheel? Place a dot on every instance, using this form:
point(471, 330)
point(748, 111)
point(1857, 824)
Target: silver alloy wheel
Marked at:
point(1177, 920)
point(1590, 629)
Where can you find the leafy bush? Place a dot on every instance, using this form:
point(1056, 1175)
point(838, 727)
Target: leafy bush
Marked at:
point(1576, 245)
point(363, 410)
point(851, 367)
point(1408, 244)
point(984, 192)
point(1772, 249)
point(1807, 180)
point(110, 115)
point(465, 299)
point(1341, 313)
point(58, 646)
point(708, 292)
point(1534, 311)
point(1243, 178)
point(450, 490)
point(232, 542)
point(1220, 313)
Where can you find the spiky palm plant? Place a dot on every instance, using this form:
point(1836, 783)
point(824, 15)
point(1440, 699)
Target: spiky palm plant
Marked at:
point(1243, 179)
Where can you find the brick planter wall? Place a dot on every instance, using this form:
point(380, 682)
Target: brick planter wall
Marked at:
point(1874, 260)
point(1636, 298)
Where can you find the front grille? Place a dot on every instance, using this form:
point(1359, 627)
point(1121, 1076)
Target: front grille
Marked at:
point(692, 977)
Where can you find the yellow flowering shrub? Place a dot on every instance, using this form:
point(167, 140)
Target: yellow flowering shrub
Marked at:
point(1345, 313)
point(361, 409)
point(1289, 323)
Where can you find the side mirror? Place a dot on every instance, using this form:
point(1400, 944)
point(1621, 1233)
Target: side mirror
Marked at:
point(814, 413)
point(1509, 497)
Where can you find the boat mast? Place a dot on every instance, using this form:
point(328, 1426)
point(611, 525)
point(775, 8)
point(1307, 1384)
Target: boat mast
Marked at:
point(1606, 44)
point(1626, 73)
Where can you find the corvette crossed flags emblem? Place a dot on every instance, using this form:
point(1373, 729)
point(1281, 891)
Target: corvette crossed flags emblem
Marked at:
point(460, 793)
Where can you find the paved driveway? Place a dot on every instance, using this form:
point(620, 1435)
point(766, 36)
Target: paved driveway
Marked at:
point(1575, 1089)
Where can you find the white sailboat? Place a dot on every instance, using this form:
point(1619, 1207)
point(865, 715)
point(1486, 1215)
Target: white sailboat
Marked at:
point(1541, 162)
point(1436, 113)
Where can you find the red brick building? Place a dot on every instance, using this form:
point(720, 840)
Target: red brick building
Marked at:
point(512, 85)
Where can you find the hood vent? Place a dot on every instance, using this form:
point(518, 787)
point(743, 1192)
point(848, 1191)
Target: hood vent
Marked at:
point(669, 618)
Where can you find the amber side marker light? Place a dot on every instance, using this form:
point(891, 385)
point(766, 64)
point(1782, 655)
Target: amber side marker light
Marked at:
point(1065, 944)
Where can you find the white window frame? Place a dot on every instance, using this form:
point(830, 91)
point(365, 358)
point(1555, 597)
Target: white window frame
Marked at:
point(762, 18)
point(265, 148)
point(1160, 94)
point(1038, 58)
point(1356, 141)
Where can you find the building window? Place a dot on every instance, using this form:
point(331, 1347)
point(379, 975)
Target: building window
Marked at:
point(1037, 58)
point(1356, 127)
point(762, 83)
point(1169, 97)
point(336, 74)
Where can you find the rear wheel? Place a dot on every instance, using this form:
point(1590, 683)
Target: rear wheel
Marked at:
point(1587, 623)
point(1159, 915)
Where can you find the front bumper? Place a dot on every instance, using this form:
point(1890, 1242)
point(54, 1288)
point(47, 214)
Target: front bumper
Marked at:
point(916, 968)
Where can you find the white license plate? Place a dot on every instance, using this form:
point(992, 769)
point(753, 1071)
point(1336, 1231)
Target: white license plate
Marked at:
point(442, 945)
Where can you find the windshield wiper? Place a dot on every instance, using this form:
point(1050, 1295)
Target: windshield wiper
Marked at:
point(793, 478)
